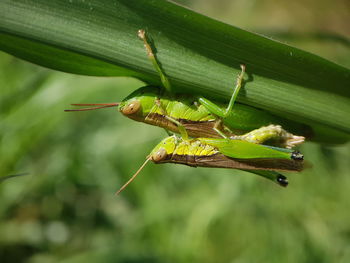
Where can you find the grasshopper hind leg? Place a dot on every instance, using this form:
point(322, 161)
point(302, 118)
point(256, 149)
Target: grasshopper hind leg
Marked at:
point(274, 133)
point(271, 175)
point(282, 180)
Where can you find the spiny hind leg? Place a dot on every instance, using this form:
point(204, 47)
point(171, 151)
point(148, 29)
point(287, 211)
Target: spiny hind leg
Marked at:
point(274, 133)
point(152, 57)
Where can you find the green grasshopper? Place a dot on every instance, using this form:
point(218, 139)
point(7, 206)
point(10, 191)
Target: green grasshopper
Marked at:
point(226, 153)
point(198, 116)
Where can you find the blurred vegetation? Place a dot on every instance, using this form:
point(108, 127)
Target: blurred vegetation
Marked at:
point(65, 210)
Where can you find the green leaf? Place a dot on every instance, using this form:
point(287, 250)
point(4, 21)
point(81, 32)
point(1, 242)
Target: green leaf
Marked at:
point(199, 54)
point(6, 177)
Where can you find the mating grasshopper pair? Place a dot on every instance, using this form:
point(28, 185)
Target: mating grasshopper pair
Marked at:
point(225, 137)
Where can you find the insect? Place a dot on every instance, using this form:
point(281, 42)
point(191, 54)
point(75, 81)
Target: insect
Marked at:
point(226, 153)
point(197, 116)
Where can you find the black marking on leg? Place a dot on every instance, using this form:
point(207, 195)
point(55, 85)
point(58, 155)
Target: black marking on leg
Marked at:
point(282, 180)
point(296, 155)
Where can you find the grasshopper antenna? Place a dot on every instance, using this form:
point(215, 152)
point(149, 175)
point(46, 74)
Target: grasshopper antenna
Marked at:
point(133, 177)
point(98, 106)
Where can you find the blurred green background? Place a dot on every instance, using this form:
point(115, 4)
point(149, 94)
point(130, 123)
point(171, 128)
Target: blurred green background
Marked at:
point(65, 209)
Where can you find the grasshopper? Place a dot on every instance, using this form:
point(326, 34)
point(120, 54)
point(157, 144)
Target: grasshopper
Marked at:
point(226, 153)
point(193, 116)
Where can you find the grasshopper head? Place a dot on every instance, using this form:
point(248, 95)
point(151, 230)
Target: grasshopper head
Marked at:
point(165, 148)
point(158, 154)
point(140, 102)
point(130, 107)
point(136, 106)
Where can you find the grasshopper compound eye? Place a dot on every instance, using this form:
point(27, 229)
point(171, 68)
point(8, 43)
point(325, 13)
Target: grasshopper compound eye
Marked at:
point(131, 108)
point(159, 155)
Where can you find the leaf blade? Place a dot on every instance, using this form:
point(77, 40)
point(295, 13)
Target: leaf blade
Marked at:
point(283, 80)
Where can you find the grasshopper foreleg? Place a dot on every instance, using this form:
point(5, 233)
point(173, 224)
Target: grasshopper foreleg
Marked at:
point(152, 57)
